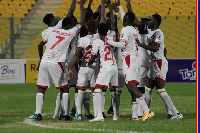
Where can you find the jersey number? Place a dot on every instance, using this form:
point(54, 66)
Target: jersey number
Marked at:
point(60, 38)
point(108, 55)
point(88, 53)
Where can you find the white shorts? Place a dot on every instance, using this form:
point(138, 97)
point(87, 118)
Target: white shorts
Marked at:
point(143, 76)
point(107, 76)
point(121, 80)
point(131, 69)
point(158, 69)
point(52, 71)
point(85, 77)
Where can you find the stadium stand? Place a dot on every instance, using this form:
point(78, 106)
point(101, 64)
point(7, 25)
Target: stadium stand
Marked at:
point(178, 22)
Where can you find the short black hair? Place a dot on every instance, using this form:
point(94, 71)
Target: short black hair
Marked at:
point(144, 20)
point(66, 21)
point(92, 25)
point(131, 16)
point(158, 18)
point(102, 29)
point(74, 19)
point(47, 18)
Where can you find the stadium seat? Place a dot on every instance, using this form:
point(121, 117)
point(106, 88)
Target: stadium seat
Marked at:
point(163, 12)
point(27, 4)
point(7, 13)
point(174, 11)
point(4, 4)
point(15, 4)
point(24, 9)
point(186, 11)
point(19, 13)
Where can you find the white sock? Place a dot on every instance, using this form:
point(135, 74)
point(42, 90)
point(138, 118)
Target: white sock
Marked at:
point(98, 97)
point(79, 101)
point(140, 110)
point(148, 96)
point(68, 105)
point(39, 103)
point(87, 103)
point(103, 100)
point(62, 112)
point(94, 104)
point(57, 109)
point(167, 100)
point(134, 110)
point(141, 101)
point(65, 101)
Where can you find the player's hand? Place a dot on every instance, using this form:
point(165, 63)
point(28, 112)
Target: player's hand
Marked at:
point(137, 41)
point(84, 1)
point(115, 7)
point(104, 1)
point(70, 74)
point(118, 2)
point(83, 64)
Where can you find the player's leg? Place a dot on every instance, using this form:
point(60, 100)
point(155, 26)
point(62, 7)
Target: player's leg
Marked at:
point(115, 96)
point(141, 87)
point(81, 85)
point(149, 91)
point(43, 82)
point(73, 110)
point(58, 107)
point(101, 82)
point(103, 100)
point(59, 77)
point(160, 86)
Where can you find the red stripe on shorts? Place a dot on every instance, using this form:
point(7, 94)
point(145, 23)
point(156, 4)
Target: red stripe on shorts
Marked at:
point(62, 86)
point(41, 86)
point(61, 66)
point(132, 81)
point(159, 63)
point(81, 87)
point(115, 86)
point(161, 79)
point(127, 59)
point(102, 86)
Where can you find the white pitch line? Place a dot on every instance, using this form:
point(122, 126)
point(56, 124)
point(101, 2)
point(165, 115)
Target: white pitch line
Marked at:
point(33, 123)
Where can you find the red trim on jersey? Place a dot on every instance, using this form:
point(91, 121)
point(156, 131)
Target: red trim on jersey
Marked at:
point(123, 40)
point(81, 87)
point(62, 86)
point(102, 86)
point(133, 81)
point(158, 42)
point(161, 79)
point(93, 53)
point(92, 88)
point(41, 86)
point(127, 59)
point(61, 66)
point(159, 63)
point(115, 86)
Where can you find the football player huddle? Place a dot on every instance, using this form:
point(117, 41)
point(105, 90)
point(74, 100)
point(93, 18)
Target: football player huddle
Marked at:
point(92, 56)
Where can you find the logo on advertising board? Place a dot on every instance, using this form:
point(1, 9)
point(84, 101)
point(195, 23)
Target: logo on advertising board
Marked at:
point(31, 71)
point(10, 71)
point(189, 74)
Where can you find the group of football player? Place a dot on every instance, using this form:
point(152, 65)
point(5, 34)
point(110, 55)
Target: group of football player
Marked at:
point(93, 56)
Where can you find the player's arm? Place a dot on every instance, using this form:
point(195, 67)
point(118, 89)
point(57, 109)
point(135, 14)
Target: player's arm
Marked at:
point(120, 44)
point(110, 6)
point(128, 6)
point(155, 47)
point(74, 61)
point(82, 23)
point(103, 18)
point(89, 4)
point(71, 9)
point(40, 49)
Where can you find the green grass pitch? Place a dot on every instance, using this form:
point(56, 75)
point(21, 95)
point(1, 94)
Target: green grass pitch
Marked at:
point(17, 102)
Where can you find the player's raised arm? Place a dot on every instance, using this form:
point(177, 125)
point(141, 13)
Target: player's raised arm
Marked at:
point(110, 6)
point(128, 6)
point(71, 9)
point(82, 23)
point(103, 17)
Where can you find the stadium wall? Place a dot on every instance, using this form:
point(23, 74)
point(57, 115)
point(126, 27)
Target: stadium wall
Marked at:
point(26, 71)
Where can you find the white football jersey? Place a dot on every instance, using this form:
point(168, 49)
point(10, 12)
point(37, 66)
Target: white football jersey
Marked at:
point(157, 37)
point(128, 35)
point(58, 41)
point(58, 26)
point(143, 54)
point(106, 52)
point(86, 43)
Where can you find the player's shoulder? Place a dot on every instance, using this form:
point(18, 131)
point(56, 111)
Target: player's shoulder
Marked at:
point(98, 41)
